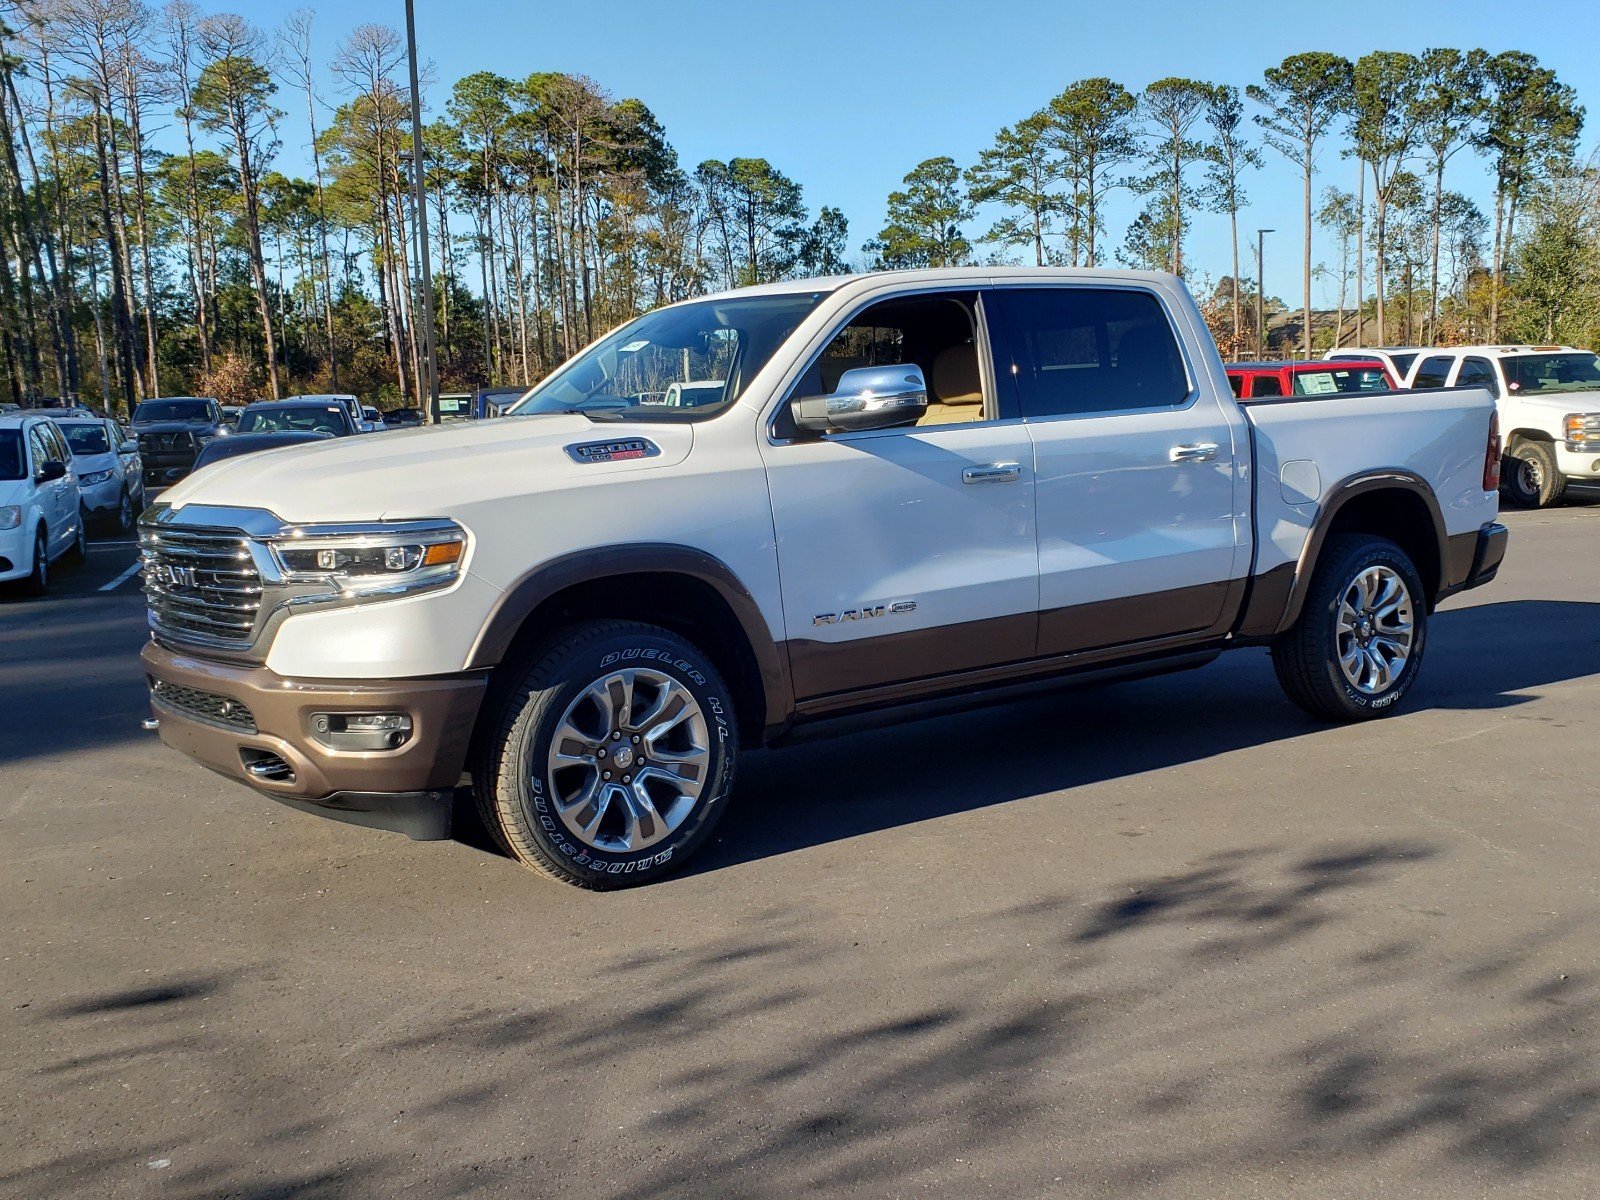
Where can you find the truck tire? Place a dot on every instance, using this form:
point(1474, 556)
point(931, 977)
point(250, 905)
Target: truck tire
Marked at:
point(608, 755)
point(1530, 475)
point(1354, 651)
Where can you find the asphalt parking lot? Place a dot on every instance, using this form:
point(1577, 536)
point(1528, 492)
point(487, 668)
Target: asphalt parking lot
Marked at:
point(1167, 938)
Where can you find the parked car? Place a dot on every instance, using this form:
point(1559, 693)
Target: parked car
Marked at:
point(41, 516)
point(110, 473)
point(303, 413)
point(252, 443)
point(1041, 476)
point(1549, 402)
point(490, 402)
point(1314, 377)
point(171, 431)
point(1398, 360)
point(352, 405)
point(402, 418)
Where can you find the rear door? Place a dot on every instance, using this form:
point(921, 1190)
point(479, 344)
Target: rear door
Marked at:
point(1142, 498)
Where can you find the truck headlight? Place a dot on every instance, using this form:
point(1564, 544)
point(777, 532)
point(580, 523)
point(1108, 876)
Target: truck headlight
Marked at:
point(94, 477)
point(377, 561)
point(1582, 430)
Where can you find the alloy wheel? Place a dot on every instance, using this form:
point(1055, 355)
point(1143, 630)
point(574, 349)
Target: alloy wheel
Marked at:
point(1374, 629)
point(628, 760)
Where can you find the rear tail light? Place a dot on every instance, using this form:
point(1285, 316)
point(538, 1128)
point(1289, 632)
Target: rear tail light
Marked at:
point(1491, 456)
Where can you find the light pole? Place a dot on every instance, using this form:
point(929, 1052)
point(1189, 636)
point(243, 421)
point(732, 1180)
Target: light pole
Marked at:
point(419, 198)
point(1261, 290)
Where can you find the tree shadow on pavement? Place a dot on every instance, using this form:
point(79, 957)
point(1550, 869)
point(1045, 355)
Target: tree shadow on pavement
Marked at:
point(1171, 1033)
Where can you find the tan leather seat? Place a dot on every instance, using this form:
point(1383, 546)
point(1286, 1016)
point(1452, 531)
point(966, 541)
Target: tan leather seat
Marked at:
point(955, 388)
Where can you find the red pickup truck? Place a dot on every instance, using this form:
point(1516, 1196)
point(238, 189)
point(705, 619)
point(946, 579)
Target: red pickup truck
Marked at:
point(1315, 377)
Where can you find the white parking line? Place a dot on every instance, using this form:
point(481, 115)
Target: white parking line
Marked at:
point(121, 579)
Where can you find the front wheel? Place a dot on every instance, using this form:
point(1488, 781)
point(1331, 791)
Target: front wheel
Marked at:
point(1531, 477)
point(1355, 649)
point(38, 581)
point(609, 755)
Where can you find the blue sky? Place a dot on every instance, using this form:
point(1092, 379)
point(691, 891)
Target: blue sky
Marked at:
point(845, 96)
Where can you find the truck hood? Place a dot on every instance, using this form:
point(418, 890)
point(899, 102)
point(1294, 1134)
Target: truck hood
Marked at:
point(429, 472)
point(1586, 401)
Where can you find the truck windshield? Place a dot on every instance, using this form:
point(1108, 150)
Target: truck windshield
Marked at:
point(171, 410)
point(684, 363)
point(1553, 373)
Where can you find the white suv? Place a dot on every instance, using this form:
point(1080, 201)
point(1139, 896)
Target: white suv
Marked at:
point(1548, 398)
point(40, 510)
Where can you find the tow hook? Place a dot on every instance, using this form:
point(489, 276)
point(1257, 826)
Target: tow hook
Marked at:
point(150, 724)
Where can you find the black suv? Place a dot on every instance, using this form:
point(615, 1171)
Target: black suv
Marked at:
point(171, 431)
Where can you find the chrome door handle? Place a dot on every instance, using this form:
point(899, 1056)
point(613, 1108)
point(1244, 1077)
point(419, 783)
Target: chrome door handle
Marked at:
point(993, 473)
point(1193, 452)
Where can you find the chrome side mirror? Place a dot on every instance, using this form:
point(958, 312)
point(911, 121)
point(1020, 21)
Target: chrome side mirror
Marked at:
point(866, 398)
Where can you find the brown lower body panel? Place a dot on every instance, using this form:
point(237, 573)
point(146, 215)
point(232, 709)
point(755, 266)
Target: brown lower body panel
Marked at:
point(1009, 645)
point(442, 712)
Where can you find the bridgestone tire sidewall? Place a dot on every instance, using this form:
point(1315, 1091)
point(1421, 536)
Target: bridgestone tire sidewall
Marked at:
point(1390, 556)
point(577, 671)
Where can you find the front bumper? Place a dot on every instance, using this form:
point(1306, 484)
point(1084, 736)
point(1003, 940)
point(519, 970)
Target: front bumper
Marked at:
point(102, 499)
point(16, 553)
point(239, 719)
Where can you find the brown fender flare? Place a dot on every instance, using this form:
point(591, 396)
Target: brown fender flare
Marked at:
point(556, 575)
point(1277, 596)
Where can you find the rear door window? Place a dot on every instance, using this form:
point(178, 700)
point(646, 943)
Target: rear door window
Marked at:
point(1265, 385)
point(1433, 372)
point(1478, 372)
point(1072, 351)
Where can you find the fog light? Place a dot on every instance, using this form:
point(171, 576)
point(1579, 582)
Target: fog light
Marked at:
point(361, 731)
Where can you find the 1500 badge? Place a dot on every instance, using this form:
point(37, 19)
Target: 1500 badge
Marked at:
point(865, 612)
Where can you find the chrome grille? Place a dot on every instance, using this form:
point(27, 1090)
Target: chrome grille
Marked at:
point(202, 584)
point(204, 706)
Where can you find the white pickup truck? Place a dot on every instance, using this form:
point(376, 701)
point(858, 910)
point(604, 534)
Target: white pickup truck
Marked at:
point(913, 489)
point(1549, 403)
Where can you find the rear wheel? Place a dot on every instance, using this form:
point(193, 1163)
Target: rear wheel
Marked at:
point(1357, 645)
point(609, 757)
point(126, 512)
point(1531, 477)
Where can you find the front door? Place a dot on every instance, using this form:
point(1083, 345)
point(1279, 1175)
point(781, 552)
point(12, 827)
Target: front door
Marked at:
point(1142, 498)
point(906, 553)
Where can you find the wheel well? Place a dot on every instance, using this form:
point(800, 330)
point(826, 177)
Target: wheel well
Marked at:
point(1404, 518)
point(689, 607)
point(1527, 435)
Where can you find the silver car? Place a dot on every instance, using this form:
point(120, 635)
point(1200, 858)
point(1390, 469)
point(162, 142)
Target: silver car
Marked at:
point(110, 474)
